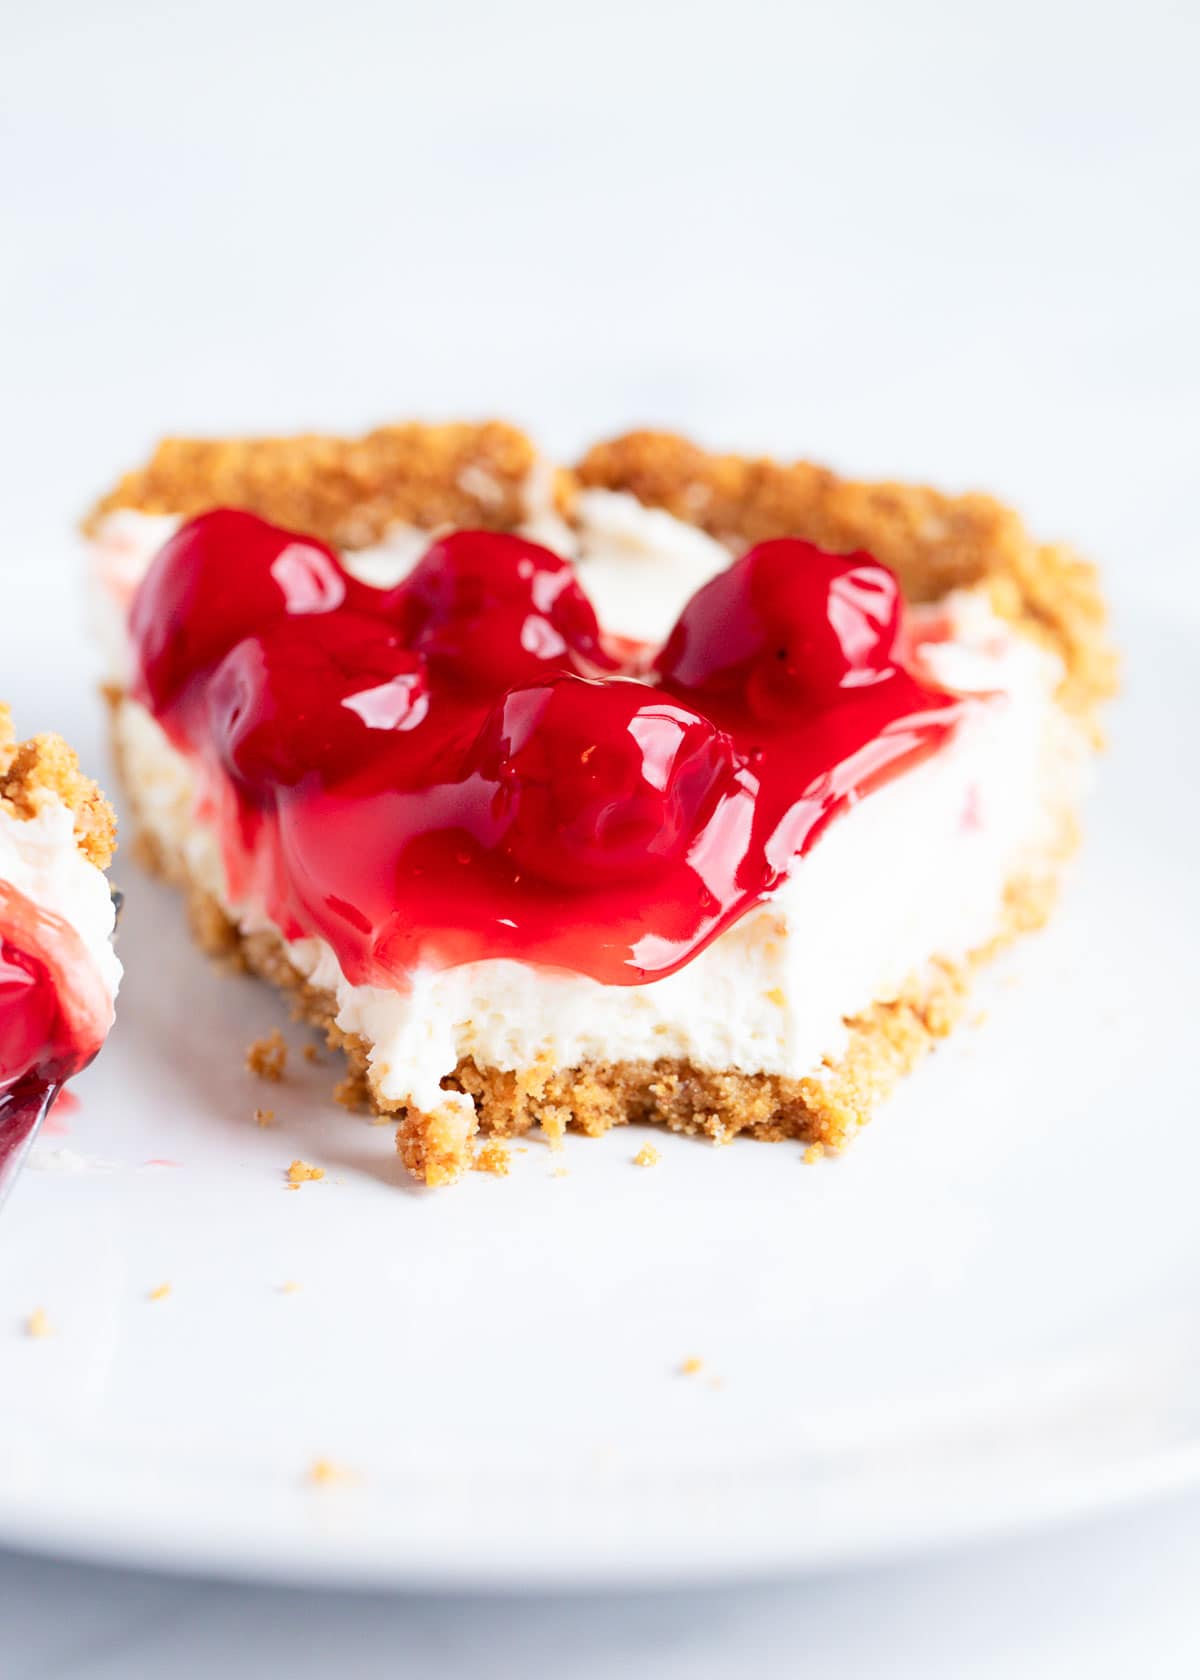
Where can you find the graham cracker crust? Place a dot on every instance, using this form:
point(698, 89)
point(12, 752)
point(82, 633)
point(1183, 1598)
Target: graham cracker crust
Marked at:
point(345, 491)
point(348, 491)
point(45, 769)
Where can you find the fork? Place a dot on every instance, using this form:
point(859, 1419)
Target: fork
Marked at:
point(22, 1111)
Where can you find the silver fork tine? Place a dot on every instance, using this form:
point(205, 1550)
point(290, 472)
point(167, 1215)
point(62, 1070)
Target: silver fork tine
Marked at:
point(21, 1114)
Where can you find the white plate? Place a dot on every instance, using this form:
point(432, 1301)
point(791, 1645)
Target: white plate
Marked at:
point(984, 1315)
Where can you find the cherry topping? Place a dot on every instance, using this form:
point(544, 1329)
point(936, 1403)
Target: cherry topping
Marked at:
point(28, 1013)
point(218, 578)
point(601, 781)
point(497, 610)
point(54, 1007)
point(299, 699)
point(784, 626)
point(455, 769)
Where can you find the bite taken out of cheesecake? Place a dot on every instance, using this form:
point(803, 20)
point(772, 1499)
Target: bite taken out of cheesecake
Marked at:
point(671, 787)
point(58, 971)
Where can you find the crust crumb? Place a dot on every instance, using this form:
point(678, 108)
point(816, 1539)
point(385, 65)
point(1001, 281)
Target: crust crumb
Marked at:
point(45, 769)
point(267, 1057)
point(264, 1116)
point(38, 1324)
point(346, 491)
point(814, 1152)
point(437, 1147)
point(311, 1053)
point(323, 1472)
point(647, 1156)
point(301, 1173)
point(159, 1293)
point(353, 1092)
point(493, 1158)
point(691, 1367)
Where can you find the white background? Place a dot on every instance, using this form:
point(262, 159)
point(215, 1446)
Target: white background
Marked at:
point(937, 241)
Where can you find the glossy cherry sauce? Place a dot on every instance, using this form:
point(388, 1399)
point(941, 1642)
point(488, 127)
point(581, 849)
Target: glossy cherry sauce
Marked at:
point(464, 767)
point(54, 1009)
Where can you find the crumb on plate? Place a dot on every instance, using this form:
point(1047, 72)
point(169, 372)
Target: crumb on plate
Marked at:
point(691, 1366)
point(159, 1293)
point(301, 1173)
point(647, 1156)
point(264, 1116)
point(354, 1093)
point(266, 1058)
point(322, 1472)
point(813, 1153)
point(37, 1324)
point(493, 1158)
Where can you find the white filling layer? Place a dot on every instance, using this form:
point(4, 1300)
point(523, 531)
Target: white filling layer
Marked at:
point(917, 869)
point(39, 857)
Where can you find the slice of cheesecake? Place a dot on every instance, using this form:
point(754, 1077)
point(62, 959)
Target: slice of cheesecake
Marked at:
point(58, 971)
point(675, 787)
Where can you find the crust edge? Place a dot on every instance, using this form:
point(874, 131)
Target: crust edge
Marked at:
point(44, 769)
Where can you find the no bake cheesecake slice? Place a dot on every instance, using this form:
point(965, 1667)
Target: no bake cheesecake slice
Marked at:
point(58, 971)
point(672, 787)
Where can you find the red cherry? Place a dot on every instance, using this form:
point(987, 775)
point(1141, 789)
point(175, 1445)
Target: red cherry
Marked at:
point(301, 699)
point(602, 781)
point(785, 625)
point(29, 1015)
point(218, 578)
point(497, 610)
